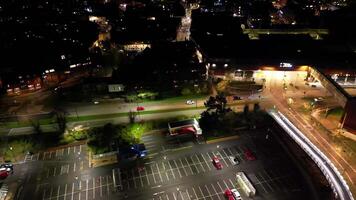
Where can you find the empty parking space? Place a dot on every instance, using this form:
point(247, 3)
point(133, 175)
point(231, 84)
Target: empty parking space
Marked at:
point(82, 189)
point(71, 152)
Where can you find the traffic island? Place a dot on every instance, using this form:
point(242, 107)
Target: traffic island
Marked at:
point(99, 160)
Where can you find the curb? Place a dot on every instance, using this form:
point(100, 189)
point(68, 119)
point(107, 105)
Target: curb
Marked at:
point(222, 139)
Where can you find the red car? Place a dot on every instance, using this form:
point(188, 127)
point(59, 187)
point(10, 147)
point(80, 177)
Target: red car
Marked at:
point(249, 155)
point(140, 108)
point(229, 195)
point(217, 162)
point(4, 174)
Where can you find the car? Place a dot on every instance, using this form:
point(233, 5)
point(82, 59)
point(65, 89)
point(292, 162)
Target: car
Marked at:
point(234, 160)
point(3, 174)
point(249, 155)
point(236, 194)
point(237, 98)
point(140, 108)
point(228, 194)
point(8, 166)
point(190, 102)
point(217, 162)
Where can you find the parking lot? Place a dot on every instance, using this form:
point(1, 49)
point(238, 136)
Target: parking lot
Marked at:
point(86, 187)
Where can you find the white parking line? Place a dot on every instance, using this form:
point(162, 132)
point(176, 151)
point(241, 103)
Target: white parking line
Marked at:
point(203, 196)
point(65, 192)
point(67, 169)
point(86, 189)
point(207, 189)
point(222, 158)
point(80, 148)
point(148, 180)
point(153, 174)
point(174, 176)
point(178, 168)
point(51, 192)
point(207, 164)
point(134, 178)
point(59, 188)
point(259, 182)
point(232, 183)
point(72, 191)
point(189, 165)
point(140, 177)
point(167, 196)
point(185, 171)
point(186, 190)
point(54, 171)
point(266, 181)
point(196, 196)
point(226, 156)
point(202, 167)
point(75, 165)
point(217, 193)
point(68, 150)
point(93, 188)
point(57, 153)
point(44, 194)
point(101, 188)
point(38, 156)
point(227, 187)
point(80, 188)
point(107, 184)
point(159, 173)
point(52, 154)
point(222, 190)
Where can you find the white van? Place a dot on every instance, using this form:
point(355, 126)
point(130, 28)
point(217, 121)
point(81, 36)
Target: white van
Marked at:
point(236, 194)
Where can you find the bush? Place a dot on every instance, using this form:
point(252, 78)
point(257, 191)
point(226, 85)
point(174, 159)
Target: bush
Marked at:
point(18, 148)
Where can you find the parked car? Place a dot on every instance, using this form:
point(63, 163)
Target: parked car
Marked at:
point(229, 195)
point(217, 162)
point(190, 102)
point(140, 108)
point(3, 174)
point(249, 155)
point(234, 160)
point(236, 194)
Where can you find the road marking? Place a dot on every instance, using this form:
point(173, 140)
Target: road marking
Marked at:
point(195, 193)
point(199, 162)
point(148, 180)
point(185, 171)
point(178, 169)
point(59, 188)
point(80, 148)
point(54, 171)
point(51, 192)
point(107, 184)
point(67, 169)
point(203, 196)
point(65, 192)
point(72, 191)
point(259, 182)
point(74, 149)
point(44, 194)
point(93, 188)
point(188, 165)
point(133, 178)
point(217, 194)
point(167, 196)
point(227, 187)
point(153, 174)
point(207, 164)
point(80, 188)
point(174, 196)
point(159, 173)
point(186, 190)
point(47, 174)
point(101, 188)
point(68, 150)
point(38, 156)
point(140, 177)
point(51, 154)
point(226, 156)
point(86, 189)
point(220, 187)
point(222, 158)
point(194, 165)
point(75, 164)
point(232, 183)
point(171, 169)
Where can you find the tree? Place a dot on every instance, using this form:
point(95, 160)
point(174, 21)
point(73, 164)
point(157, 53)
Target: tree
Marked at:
point(36, 126)
point(186, 91)
point(256, 107)
point(61, 120)
point(132, 116)
point(246, 110)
